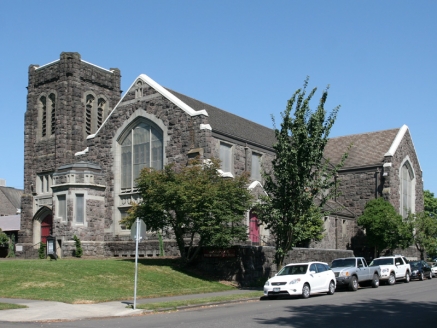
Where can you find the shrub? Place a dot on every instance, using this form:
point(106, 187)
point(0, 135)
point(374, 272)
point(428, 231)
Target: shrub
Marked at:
point(42, 251)
point(79, 250)
point(11, 248)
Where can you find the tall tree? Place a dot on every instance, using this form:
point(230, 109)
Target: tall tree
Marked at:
point(430, 203)
point(424, 230)
point(299, 174)
point(196, 204)
point(385, 228)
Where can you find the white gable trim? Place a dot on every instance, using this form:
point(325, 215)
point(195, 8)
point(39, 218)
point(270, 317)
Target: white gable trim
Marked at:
point(394, 146)
point(190, 111)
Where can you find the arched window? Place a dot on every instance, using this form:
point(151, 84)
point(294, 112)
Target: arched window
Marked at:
point(43, 108)
point(407, 190)
point(89, 113)
point(52, 102)
point(139, 89)
point(47, 115)
point(95, 113)
point(141, 147)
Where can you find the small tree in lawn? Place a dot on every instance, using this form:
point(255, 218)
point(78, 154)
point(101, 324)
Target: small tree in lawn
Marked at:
point(195, 203)
point(385, 229)
point(299, 174)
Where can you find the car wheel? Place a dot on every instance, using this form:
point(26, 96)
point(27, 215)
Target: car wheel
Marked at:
point(375, 281)
point(306, 291)
point(430, 275)
point(421, 276)
point(353, 284)
point(407, 277)
point(391, 279)
point(331, 290)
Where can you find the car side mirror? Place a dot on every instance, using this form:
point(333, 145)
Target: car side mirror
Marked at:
point(312, 272)
point(398, 263)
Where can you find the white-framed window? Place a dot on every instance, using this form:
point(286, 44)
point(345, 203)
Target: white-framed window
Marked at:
point(141, 147)
point(123, 214)
point(407, 189)
point(226, 157)
point(79, 208)
point(255, 172)
point(62, 207)
point(44, 183)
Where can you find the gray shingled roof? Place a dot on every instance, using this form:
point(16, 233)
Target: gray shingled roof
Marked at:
point(230, 124)
point(13, 195)
point(367, 148)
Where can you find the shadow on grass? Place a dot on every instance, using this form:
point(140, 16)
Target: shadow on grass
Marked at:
point(176, 264)
point(372, 313)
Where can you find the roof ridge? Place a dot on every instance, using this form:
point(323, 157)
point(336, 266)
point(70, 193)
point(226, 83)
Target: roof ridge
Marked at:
point(363, 133)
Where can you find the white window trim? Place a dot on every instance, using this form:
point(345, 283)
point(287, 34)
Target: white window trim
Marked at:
point(85, 197)
point(412, 186)
point(66, 206)
point(116, 149)
point(231, 159)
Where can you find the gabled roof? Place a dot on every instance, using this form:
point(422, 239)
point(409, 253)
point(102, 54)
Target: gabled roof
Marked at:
point(367, 149)
point(231, 125)
point(12, 196)
point(10, 222)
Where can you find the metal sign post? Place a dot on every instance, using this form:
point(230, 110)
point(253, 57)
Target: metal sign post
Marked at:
point(138, 232)
point(137, 239)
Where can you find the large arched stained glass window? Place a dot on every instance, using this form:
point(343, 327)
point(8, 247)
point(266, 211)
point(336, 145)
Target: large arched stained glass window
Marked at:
point(142, 147)
point(407, 177)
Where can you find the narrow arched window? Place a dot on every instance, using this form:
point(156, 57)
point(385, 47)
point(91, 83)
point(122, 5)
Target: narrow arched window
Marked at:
point(52, 98)
point(407, 177)
point(142, 147)
point(89, 113)
point(139, 89)
point(43, 104)
point(100, 112)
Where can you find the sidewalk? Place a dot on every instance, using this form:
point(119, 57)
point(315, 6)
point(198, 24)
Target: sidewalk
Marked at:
point(57, 311)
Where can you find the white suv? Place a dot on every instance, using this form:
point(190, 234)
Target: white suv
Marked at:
point(393, 268)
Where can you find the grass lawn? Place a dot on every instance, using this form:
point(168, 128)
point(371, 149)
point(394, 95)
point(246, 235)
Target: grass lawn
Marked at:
point(9, 306)
point(173, 305)
point(98, 280)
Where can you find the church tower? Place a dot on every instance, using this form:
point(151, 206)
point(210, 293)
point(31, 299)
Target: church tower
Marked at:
point(67, 101)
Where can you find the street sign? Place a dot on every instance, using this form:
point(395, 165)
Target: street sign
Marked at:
point(142, 230)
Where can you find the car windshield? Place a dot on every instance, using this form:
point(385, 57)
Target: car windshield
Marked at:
point(388, 261)
point(341, 263)
point(415, 265)
point(293, 269)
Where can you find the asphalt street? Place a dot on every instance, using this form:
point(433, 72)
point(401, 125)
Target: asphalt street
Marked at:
point(402, 305)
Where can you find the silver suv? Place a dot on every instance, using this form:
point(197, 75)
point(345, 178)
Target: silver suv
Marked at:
point(393, 268)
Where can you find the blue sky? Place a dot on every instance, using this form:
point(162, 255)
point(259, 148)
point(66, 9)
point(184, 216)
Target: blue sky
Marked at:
point(246, 57)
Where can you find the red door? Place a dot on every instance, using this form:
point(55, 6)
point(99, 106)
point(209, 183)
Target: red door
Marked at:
point(46, 228)
point(253, 228)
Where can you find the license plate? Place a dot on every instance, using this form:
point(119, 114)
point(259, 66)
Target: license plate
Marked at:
point(277, 289)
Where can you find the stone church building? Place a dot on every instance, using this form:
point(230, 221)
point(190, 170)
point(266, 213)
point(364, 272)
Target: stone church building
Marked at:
point(85, 145)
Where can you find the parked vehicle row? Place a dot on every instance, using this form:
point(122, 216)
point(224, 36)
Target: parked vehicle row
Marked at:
point(305, 279)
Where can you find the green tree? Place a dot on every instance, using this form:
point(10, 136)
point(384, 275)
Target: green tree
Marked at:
point(424, 230)
point(385, 229)
point(430, 203)
point(4, 239)
point(195, 203)
point(299, 174)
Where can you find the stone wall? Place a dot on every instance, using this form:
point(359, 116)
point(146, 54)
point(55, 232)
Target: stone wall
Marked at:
point(252, 265)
